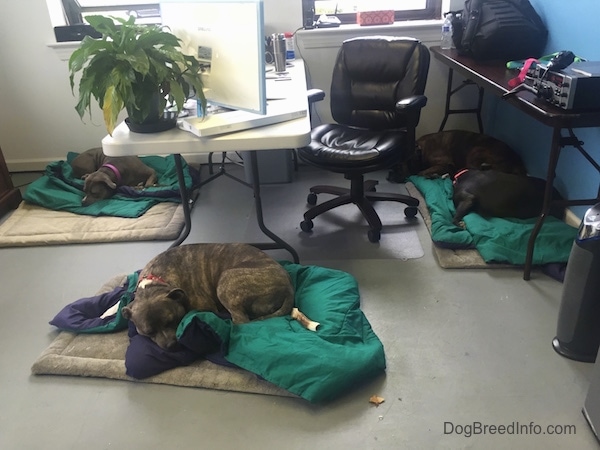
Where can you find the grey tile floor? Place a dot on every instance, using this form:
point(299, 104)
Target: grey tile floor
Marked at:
point(463, 347)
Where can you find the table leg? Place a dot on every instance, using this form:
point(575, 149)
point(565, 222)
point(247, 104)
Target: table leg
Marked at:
point(450, 92)
point(185, 203)
point(278, 242)
point(448, 96)
point(552, 163)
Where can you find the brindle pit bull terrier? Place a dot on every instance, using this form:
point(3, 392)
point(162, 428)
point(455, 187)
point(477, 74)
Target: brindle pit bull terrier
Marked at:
point(103, 174)
point(222, 278)
point(492, 193)
point(447, 152)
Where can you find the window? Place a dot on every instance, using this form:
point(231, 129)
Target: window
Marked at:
point(346, 10)
point(144, 10)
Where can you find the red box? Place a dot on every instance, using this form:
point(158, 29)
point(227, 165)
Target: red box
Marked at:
point(366, 18)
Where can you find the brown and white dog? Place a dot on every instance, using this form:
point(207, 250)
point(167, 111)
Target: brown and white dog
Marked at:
point(238, 279)
point(103, 174)
point(447, 152)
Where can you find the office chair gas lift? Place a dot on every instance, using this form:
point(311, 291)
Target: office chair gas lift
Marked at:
point(376, 99)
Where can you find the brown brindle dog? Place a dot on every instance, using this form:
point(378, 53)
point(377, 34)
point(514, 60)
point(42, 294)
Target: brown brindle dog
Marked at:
point(447, 152)
point(238, 279)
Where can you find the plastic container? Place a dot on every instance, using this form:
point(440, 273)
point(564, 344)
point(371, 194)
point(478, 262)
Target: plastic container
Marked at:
point(578, 329)
point(290, 51)
point(446, 43)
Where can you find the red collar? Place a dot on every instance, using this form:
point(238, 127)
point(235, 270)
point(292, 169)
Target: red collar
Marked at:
point(149, 279)
point(114, 170)
point(458, 174)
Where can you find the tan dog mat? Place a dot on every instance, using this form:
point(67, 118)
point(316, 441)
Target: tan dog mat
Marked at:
point(103, 356)
point(449, 258)
point(31, 225)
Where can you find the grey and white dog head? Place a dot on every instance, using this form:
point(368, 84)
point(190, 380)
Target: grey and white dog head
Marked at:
point(156, 314)
point(97, 186)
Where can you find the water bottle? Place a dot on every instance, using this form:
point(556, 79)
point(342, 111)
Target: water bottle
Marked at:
point(447, 32)
point(290, 52)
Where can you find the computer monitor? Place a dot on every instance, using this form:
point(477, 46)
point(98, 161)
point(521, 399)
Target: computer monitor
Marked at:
point(227, 37)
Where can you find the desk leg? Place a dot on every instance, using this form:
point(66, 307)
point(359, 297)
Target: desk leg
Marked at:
point(185, 203)
point(448, 96)
point(450, 92)
point(551, 174)
point(278, 242)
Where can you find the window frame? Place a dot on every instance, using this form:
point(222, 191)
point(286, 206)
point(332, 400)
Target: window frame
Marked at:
point(74, 12)
point(432, 11)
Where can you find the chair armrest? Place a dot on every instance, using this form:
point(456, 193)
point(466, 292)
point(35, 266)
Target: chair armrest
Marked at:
point(315, 95)
point(413, 103)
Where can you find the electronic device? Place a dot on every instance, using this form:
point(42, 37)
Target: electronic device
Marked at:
point(227, 37)
point(325, 21)
point(574, 87)
point(235, 120)
point(308, 14)
point(578, 327)
point(76, 32)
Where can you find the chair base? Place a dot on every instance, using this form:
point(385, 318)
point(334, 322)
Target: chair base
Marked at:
point(362, 194)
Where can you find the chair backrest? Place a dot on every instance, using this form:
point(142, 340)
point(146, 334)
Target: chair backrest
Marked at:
point(371, 74)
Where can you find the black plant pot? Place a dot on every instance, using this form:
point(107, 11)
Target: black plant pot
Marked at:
point(164, 123)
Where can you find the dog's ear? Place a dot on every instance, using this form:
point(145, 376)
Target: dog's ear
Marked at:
point(180, 297)
point(126, 312)
point(110, 183)
point(84, 176)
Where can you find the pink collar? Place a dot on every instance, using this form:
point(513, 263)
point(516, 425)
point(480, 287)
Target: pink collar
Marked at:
point(458, 174)
point(115, 171)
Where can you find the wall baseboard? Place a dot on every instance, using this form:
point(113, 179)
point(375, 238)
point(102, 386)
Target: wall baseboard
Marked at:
point(39, 164)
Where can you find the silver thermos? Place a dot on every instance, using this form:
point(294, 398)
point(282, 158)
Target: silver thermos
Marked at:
point(279, 51)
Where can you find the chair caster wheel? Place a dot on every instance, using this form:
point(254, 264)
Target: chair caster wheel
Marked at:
point(306, 225)
point(411, 211)
point(311, 199)
point(374, 235)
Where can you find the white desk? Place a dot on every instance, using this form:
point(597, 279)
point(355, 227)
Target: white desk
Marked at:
point(285, 135)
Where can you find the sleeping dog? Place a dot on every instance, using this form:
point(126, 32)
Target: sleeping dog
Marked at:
point(235, 279)
point(447, 152)
point(103, 174)
point(492, 193)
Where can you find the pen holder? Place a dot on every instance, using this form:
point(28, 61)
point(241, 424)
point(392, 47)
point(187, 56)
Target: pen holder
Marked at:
point(279, 51)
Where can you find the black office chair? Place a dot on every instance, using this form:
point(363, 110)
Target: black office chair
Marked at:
point(376, 99)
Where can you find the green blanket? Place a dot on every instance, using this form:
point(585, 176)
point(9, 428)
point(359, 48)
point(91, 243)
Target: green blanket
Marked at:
point(318, 366)
point(496, 239)
point(58, 189)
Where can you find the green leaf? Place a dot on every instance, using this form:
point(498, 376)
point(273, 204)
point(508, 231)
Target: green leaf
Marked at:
point(128, 67)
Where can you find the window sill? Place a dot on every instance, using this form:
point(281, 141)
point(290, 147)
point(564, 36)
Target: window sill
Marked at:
point(425, 30)
point(64, 49)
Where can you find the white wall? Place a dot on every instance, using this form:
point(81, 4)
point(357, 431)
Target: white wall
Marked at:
point(38, 122)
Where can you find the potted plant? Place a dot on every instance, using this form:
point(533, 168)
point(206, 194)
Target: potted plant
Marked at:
point(139, 68)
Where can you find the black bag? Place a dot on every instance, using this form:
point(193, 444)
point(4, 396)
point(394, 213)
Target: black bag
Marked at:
point(499, 29)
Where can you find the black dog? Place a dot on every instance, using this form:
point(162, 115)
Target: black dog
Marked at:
point(492, 193)
point(447, 152)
